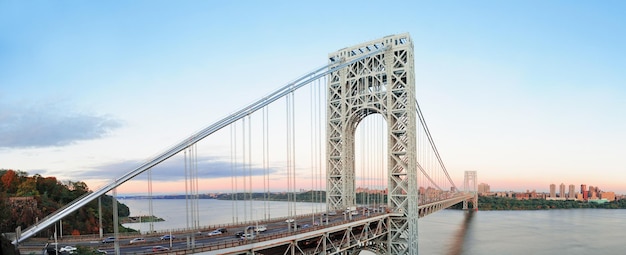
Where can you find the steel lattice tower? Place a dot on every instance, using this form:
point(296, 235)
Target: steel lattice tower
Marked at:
point(470, 186)
point(385, 84)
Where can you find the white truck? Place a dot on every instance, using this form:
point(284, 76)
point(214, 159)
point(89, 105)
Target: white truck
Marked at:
point(352, 210)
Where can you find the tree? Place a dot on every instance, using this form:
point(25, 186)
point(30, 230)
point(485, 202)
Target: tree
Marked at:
point(27, 188)
point(5, 211)
point(78, 187)
point(49, 186)
point(9, 181)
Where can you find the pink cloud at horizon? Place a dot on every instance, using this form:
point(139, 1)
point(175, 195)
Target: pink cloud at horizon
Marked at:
point(204, 186)
point(304, 183)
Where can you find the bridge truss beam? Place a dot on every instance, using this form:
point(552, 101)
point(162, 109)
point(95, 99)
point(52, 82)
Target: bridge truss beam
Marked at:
point(333, 239)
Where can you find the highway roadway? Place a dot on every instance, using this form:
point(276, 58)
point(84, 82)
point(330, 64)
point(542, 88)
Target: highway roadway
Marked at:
point(202, 239)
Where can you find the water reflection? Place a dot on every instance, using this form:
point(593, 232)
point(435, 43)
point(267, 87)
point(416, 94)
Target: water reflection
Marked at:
point(458, 239)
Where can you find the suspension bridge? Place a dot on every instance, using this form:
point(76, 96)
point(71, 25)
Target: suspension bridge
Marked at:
point(350, 132)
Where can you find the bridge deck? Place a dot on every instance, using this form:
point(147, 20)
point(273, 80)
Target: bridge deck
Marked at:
point(336, 233)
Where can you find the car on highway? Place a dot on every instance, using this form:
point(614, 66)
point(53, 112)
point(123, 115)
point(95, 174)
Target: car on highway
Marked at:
point(330, 213)
point(239, 234)
point(214, 233)
point(168, 237)
point(159, 248)
point(109, 239)
point(137, 240)
point(67, 249)
point(259, 228)
point(223, 230)
point(101, 251)
point(248, 236)
point(289, 220)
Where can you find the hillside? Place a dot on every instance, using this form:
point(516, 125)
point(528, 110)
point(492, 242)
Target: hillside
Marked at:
point(25, 199)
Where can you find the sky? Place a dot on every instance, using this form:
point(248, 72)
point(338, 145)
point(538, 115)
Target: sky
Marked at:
point(527, 93)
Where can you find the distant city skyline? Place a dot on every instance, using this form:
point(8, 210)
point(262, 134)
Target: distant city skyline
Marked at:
point(594, 193)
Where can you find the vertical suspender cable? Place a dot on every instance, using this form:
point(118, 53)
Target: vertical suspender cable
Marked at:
point(243, 168)
point(384, 169)
point(365, 163)
point(186, 187)
point(293, 148)
point(432, 143)
point(263, 144)
point(196, 194)
point(250, 163)
point(267, 162)
point(322, 156)
point(362, 159)
point(289, 194)
point(312, 147)
point(378, 165)
point(318, 126)
point(372, 127)
point(234, 167)
point(371, 154)
point(232, 177)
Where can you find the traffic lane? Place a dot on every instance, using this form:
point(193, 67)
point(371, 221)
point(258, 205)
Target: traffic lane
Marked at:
point(180, 242)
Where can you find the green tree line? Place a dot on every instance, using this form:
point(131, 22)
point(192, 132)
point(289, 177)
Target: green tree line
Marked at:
point(502, 203)
point(26, 199)
point(308, 196)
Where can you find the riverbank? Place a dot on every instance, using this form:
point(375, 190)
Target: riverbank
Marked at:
point(140, 219)
point(501, 203)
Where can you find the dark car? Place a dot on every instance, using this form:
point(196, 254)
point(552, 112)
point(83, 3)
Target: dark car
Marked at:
point(50, 249)
point(239, 234)
point(167, 237)
point(109, 239)
point(223, 230)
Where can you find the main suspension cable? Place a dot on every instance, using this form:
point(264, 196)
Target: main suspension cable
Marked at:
point(432, 143)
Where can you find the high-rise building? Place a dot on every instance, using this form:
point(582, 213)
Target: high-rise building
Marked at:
point(583, 190)
point(593, 193)
point(610, 196)
point(483, 188)
point(572, 192)
point(552, 190)
point(562, 190)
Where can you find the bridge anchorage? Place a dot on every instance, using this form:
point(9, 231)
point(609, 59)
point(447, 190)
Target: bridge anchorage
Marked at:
point(372, 78)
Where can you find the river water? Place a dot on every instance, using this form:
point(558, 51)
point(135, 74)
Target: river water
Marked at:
point(573, 231)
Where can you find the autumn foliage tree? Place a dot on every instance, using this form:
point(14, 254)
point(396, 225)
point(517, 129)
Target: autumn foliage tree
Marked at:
point(9, 181)
point(25, 199)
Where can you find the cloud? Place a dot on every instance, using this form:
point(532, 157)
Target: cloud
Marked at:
point(172, 169)
point(48, 124)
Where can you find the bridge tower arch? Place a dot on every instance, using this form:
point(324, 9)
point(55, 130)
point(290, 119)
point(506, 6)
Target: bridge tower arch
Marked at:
point(382, 83)
point(470, 183)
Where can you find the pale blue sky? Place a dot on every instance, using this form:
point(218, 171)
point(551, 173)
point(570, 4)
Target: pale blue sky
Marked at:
point(526, 92)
